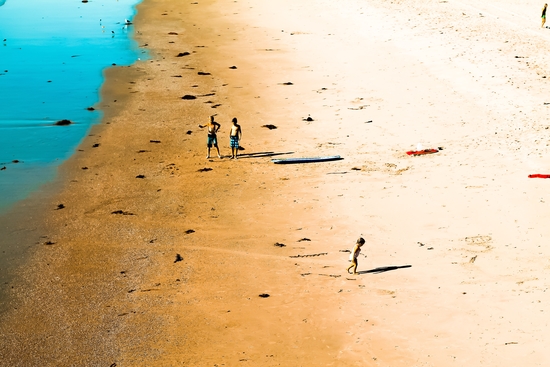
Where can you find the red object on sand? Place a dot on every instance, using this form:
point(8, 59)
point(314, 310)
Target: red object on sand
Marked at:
point(538, 175)
point(422, 152)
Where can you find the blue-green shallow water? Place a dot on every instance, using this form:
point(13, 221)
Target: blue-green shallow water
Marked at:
point(52, 54)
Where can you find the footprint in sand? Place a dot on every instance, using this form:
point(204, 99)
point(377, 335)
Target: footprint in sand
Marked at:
point(478, 243)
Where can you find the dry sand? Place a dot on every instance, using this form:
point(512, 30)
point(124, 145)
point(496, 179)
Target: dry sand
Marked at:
point(457, 266)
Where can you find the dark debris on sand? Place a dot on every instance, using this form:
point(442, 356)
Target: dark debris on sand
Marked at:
point(122, 212)
point(312, 255)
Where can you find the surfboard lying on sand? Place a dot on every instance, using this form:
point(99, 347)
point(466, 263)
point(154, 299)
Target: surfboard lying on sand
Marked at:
point(307, 160)
point(538, 175)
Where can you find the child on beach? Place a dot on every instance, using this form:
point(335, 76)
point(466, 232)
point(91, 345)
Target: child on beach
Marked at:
point(234, 137)
point(354, 254)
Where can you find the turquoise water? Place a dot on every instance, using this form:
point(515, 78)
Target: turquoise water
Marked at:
point(52, 55)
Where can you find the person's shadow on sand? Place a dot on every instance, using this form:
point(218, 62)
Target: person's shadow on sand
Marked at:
point(383, 269)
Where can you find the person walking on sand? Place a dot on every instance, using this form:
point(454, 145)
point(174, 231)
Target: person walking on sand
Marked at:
point(544, 15)
point(212, 139)
point(235, 136)
point(355, 254)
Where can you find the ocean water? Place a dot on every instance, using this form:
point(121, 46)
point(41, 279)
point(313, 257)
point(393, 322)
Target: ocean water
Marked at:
point(52, 57)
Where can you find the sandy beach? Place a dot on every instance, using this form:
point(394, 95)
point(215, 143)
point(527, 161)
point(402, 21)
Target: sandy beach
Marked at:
point(160, 257)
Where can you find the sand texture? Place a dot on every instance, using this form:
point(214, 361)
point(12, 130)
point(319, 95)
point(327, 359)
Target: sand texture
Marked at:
point(159, 256)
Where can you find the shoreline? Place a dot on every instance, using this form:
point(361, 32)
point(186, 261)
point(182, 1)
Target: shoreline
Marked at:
point(23, 222)
point(449, 261)
point(32, 147)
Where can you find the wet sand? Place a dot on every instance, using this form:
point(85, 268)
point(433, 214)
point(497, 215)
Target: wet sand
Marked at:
point(159, 256)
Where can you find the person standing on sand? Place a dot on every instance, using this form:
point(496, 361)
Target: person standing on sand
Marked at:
point(543, 15)
point(355, 254)
point(235, 136)
point(213, 128)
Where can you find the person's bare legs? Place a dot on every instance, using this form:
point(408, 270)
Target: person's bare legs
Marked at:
point(354, 266)
point(543, 21)
point(218, 149)
point(207, 152)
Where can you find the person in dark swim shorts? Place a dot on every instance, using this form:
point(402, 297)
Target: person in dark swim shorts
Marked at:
point(212, 139)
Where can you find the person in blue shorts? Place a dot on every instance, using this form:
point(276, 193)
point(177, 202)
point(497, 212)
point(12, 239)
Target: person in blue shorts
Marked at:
point(235, 136)
point(212, 139)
